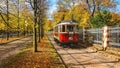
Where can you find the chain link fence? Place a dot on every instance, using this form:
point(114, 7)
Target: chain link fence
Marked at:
point(95, 35)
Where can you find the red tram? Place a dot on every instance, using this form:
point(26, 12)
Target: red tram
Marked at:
point(66, 32)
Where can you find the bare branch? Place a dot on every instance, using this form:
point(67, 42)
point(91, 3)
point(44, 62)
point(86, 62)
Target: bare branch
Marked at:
point(5, 21)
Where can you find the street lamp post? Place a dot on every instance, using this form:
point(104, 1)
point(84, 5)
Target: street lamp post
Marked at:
point(26, 25)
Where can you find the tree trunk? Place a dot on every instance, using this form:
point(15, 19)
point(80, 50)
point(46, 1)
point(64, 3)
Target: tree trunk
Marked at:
point(7, 19)
point(90, 8)
point(39, 22)
point(42, 30)
point(34, 28)
point(18, 19)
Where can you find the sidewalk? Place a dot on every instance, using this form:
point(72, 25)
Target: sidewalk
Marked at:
point(13, 48)
point(46, 57)
point(11, 39)
point(4, 40)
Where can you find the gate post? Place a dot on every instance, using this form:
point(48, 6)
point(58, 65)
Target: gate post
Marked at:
point(105, 43)
point(84, 35)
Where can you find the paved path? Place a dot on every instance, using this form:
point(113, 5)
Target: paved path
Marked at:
point(13, 48)
point(81, 57)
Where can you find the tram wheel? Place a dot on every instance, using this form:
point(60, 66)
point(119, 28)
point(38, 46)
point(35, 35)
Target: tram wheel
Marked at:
point(64, 46)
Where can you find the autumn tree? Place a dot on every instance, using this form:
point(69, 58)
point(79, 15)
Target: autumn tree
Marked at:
point(82, 11)
point(7, 16)
point(63, 9)
point(12, 14)
point(97, 5)
point(7, 4)
point(115, 20)
point(38, 7)
point(25, 20)
point(101, 19)
point(80, 16)
point(75, 13)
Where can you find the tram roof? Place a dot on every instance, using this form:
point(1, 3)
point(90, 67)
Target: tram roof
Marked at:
point(66, 22)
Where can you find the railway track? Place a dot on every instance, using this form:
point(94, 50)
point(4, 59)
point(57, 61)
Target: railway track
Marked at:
point(83, 57)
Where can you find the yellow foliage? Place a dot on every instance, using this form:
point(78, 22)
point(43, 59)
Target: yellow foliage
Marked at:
point(77, 13)
point(85, 20)
point(2, 26)
point(81, 15)
point(67, 15)
point(22, 0)
point(57, 17)
point(108, 3)
point(115, 19)
point(48, 25)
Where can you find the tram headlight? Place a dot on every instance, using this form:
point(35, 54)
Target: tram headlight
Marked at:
point(70, 38)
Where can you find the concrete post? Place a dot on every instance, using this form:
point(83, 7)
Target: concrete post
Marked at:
point(84, 35)
point(105, 37)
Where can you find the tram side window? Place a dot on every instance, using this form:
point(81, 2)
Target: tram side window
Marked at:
point(76, 29)
point(60, 28)
point(63, 28)
point(56, 28)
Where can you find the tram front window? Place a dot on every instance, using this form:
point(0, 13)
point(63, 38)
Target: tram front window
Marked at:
point(70, 28)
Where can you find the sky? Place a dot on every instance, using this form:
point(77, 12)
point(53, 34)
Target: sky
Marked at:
point(118, 5)
point(52, 7)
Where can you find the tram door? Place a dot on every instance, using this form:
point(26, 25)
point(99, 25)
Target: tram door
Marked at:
point(59, 32)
